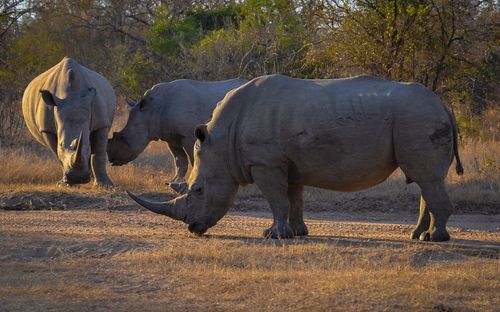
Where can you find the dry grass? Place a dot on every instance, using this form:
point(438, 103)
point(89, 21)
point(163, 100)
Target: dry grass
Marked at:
point(111, 256)
point(126, 261)
point(34, 168)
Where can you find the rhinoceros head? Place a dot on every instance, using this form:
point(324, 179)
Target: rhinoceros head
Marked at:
point(127, 144)
point(211, 188)
point(72, 115)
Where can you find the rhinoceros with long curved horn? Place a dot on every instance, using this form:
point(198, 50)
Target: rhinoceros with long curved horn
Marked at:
point(345, 135)
point(70, 109)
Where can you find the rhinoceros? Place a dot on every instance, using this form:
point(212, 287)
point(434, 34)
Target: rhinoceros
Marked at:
point(70, 109)
point(168, 112)
point(344, 135)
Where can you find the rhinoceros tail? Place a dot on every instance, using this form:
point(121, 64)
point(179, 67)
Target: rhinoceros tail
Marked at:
point(458, 166)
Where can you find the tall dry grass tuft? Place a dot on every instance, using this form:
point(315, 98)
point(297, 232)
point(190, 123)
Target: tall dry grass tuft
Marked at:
point(481, 178)
point(27, 165)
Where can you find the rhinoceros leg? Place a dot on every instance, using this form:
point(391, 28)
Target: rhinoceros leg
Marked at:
point(440, 208)
point(98, 157)
point(180, 161)
point(273, 184)
point(295, 218)
point(424, 220)
point(50, 140)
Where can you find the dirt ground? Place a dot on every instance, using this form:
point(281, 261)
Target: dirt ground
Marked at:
point(76, 252)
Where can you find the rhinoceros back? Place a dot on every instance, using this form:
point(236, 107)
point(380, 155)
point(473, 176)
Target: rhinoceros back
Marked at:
point(335, 134)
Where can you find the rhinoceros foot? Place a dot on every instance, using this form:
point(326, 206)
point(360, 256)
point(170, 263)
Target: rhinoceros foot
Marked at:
point(63, 183)
point(299, 228)
point(281, 230)
point(415, 234)
point(107, 185)
point(435, 236)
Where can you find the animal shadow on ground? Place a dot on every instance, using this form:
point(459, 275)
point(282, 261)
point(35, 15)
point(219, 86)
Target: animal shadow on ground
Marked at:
point(453, 250)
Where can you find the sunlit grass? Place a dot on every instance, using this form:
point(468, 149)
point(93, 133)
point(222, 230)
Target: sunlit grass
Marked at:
point(125, 260)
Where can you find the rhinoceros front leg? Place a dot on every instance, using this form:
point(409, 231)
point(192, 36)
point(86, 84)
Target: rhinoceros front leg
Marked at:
point(440, 208)
point(98, 143)
point(180, 161)
point(50, 140)
point(295, 218)
point(424, 220)
point(273, 184)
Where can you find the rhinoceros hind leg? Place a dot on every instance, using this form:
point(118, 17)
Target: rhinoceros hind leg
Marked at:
point(295, 218)
point(439, 206)
point(180, 161)
point(273, 184)
point(299, 229)
point(278, 231)
point(424, 220)
point(98, 158)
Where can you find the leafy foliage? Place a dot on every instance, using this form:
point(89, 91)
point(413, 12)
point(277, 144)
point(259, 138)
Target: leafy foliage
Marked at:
point(450, 46)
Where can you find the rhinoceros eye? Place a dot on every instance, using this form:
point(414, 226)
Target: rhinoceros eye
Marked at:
point(197, 189)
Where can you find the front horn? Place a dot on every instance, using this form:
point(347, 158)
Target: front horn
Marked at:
point(76, 158)
point(175, 208)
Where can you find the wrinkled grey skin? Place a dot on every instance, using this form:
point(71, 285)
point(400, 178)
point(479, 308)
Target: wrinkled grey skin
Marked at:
point(70, 109)
point(169, 112)
point(344, 135)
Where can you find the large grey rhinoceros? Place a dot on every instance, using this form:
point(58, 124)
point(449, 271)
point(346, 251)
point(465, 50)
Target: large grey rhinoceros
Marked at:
point(169, 112)
point(344, 135)
point(70, 109)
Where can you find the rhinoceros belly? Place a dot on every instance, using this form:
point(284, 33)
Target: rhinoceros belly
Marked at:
point(344, 158)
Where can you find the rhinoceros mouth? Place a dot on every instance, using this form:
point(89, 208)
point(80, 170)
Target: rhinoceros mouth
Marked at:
point(198, 228)
point(116, 163)
point(72, 180)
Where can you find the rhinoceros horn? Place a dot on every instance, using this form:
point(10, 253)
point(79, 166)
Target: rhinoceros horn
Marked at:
point(76, 158)
point(175, 208)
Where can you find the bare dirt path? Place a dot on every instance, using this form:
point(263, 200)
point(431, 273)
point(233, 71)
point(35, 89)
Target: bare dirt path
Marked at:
point(135, 260)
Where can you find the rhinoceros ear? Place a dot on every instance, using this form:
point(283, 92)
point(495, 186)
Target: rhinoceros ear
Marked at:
point(142, 103)
point(48, 98)
point(131, 102)
point(201, 133)
point(71, 75)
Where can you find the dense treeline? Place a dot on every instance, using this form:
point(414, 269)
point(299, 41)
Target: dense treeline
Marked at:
point(451, 46)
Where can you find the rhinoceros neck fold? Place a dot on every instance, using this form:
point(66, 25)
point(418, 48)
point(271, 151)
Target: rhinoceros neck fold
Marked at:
point(158, 123)
point(234, 157)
